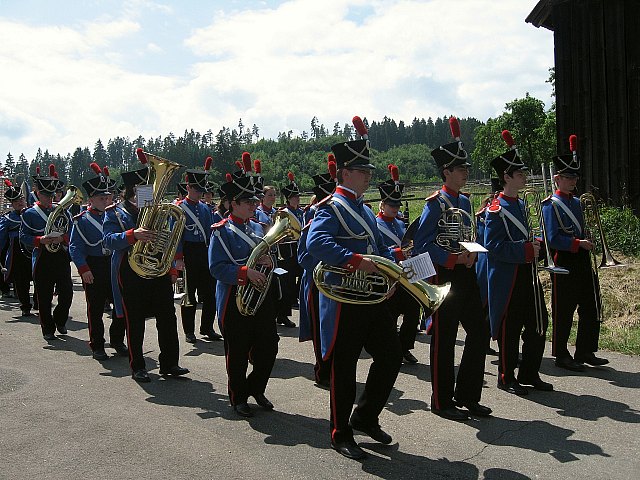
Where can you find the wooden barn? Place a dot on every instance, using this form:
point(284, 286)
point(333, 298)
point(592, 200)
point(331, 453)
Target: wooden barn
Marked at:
point(597, 72)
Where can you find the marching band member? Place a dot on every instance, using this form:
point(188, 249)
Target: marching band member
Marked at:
point(565, 227)
point(342, 231)
point(17, 264)
point(193, 247)
point(393, 229)
point(325, 184)
point(245, 337)
point(288, 257)
point(222, 209)
point(463, 305)
point(93, 262)
point(50, 269)
point(207, 196)
point(266, 209)
point(135, 297)
point(511, 288)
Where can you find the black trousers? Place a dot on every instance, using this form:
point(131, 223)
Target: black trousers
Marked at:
point(322, 367)
point(402, 303)
point(249, 339)
point(289, 284)
point(575, 290)
point(200, 281)
point(462, 306)
point(373, 328)
point(142, 298)
point(97, 293)
point(21, 276)
point(53, 271)
point(520, 320)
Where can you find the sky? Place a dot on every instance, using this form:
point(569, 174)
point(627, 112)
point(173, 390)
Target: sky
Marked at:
point(75, 71)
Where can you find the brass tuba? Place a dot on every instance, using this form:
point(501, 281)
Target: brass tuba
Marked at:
point(58, 220)
point(153, 259)
point(365, 288)
point(249, 297)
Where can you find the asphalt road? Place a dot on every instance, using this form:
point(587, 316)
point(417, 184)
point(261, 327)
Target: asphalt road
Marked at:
point(64, 415)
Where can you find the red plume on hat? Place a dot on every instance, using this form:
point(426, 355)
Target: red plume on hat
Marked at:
point(331, 158)
point(257, 166)
point(141, 156)
point(7, 182)
point(395, 173)
point(454, 125)
point(37, 170)
point(360, 127)
point(246, 161)
point(207, 163)
point(228, 178)
point(52, 170)
point(573, 143)
point(105, 170)
point(240, 166)
point(96, 168)
point(506, 136)
point(291, 177)
point(333, 170)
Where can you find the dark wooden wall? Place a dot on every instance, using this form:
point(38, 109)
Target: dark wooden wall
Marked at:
point(597, 66)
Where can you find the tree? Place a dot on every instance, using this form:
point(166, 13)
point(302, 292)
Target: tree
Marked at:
point(9, 165)
point(524, 118)
point(100, 155)
point(22, 167)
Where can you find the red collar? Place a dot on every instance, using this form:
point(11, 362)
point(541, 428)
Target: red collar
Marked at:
point(189, 201)
point(41, 206)
point(265, 208)
point(95, 211)
point(235, 219)
point(448, 191)
point(385, 218)
point(508, 198)
point(345, 193)
point(564, 195)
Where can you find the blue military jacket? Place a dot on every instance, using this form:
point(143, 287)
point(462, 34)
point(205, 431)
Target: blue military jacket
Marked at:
point(337, 238)
point(9, 231)
point(34, 220)
point(308, 263)
point(264, 215)
point(198, 223)
point(87, 238)
point(481, 264)
point(506, 237)
point(231, 243)
point(392, 230)
point(119, 223)
point(563, 232)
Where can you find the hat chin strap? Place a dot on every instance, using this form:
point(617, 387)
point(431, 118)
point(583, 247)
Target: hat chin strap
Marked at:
point(567, 166)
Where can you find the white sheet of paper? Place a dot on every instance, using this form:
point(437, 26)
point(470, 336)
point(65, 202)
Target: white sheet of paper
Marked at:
point(473, 247)
point(144, 195)
point(279, 271)
point(421, 265)
point(54, 234)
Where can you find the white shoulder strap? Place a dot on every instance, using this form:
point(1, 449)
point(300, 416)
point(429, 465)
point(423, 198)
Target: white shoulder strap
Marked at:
point(567, 210)
point(196, 221)
point(384, 229)
point(356, 216)
point(515, 221)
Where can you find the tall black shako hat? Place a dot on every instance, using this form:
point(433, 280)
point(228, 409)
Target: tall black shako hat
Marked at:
point(325, 183)
point(11, 193)
point(509, 161)
point(182, 187)
point(240, 188)
point(452, 154)
point(211, 187)
point(354, 154)
point(136, 177)
point(244, 171)
point(47, 185)
point(198, 178)
point(98, 185)
point(569, 164)
point(111, 183)
point(292, 189)
point(391, 190)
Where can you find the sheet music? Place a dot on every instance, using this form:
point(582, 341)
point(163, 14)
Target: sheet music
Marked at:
point(421, 265)
point(473, 247)
point(144, 195)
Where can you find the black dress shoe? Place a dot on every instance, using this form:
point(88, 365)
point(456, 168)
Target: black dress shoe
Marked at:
point(100, 355)
point(141, 376)
point(491, 352)
point(374, 431)
point(475, 408)
point(591, 359)
point(350, 449)
point(121, 348)
point(212, 335)
point(263, 401)
point(49, 336)
point(537, 384)
point(190, 337)
point(451, 413)
point(285, 322)
point(569, 363)
point(409, 358)
point(243, 409)
point(62, 329)
point(175, 371)
point(26, 313)
point(513, 387)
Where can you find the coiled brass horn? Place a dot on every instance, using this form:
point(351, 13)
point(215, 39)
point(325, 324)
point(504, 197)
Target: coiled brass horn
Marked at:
point(364, 288)
point(454, 226)
point(58, 220)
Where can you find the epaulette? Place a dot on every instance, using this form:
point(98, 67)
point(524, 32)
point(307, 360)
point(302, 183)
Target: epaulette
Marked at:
point(110, 207)
point(548, 198)
point(79, 215)
point(466, 194)
point(495, 206)
point(433, 196)
point(221, 223)
point(481, 211)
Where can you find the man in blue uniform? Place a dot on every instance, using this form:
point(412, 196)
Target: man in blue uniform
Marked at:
point(342, 231)
point(245, 337)
point(393, 229)
point(17, 264)
point(565, 227)
point(93, 262)
point(454, 264)
point(51, 269)
point(193, 249)
point(136, 297)
point(512, 250)
point(266, 210)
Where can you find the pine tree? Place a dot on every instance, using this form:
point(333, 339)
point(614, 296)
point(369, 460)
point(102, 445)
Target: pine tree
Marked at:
point(9, 166)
